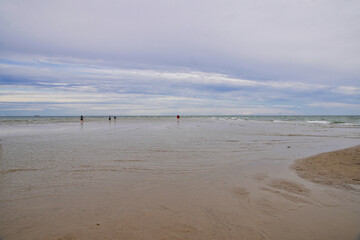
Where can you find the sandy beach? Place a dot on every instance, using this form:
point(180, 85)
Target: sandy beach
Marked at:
point(338, 168)
point(198, 178)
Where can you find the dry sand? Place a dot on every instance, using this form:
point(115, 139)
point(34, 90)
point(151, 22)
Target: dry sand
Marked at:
point(338, 168)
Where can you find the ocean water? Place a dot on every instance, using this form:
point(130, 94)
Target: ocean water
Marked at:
point(58, 177)
point(350, 120)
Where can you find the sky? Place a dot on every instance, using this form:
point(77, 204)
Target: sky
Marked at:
point(168, 57)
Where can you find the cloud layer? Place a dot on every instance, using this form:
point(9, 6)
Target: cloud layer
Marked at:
point(194, 57)
point(71, 89)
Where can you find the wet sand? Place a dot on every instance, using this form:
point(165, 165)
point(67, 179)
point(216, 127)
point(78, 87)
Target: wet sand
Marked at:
point(338, 168)
point(167, 180)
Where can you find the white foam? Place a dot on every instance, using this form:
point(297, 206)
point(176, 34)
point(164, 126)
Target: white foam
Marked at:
point(318, 122)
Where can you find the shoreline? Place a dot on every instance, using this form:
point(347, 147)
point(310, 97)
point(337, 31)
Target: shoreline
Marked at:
point(340, 168)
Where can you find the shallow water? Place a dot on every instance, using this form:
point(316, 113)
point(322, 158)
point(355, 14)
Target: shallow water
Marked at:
point(159, 178)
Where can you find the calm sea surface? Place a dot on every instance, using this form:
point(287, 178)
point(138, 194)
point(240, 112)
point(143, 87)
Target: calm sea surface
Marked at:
point(56, 174)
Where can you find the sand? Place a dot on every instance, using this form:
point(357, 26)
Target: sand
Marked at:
point(160, 179)
point(338, 168)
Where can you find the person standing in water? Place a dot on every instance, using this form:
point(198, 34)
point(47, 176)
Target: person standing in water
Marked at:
point(109, 118)
point(178, 117)
point(81, 119)
point(115, 118)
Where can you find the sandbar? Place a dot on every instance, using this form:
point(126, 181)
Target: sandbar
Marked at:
point(339, 168)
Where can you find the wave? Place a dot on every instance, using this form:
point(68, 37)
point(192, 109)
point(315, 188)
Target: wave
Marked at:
point(323, 120)
point(319, 122)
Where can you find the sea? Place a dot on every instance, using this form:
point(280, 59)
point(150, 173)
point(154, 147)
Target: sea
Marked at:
point(60, 179)
point(348, 120)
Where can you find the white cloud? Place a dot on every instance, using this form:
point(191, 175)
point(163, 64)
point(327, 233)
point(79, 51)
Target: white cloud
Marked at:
point(52, 84)
point(348, 90)
point(335, 105)
point(114, 77)
point(23, 109)
point(48, 96)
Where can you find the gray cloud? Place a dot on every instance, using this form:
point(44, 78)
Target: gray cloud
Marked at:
point(143, 91)
point(295, 40)
point(199, 57)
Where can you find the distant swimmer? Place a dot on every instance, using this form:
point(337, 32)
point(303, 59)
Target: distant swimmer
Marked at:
point(109, 118)
point(81, 119)
point(178, 117)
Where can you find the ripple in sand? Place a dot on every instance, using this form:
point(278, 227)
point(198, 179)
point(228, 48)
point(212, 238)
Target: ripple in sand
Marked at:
point(19, 170)
point(129, 160)
point(289, 186)
point(287, 196)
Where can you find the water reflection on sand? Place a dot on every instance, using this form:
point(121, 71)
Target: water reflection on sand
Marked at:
point(159, 178)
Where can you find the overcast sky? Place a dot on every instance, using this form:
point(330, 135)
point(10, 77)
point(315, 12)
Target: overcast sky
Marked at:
point(161, 57)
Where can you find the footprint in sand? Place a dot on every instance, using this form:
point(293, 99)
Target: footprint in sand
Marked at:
point(68, 237)
point(261, 176)
point(242, 192)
